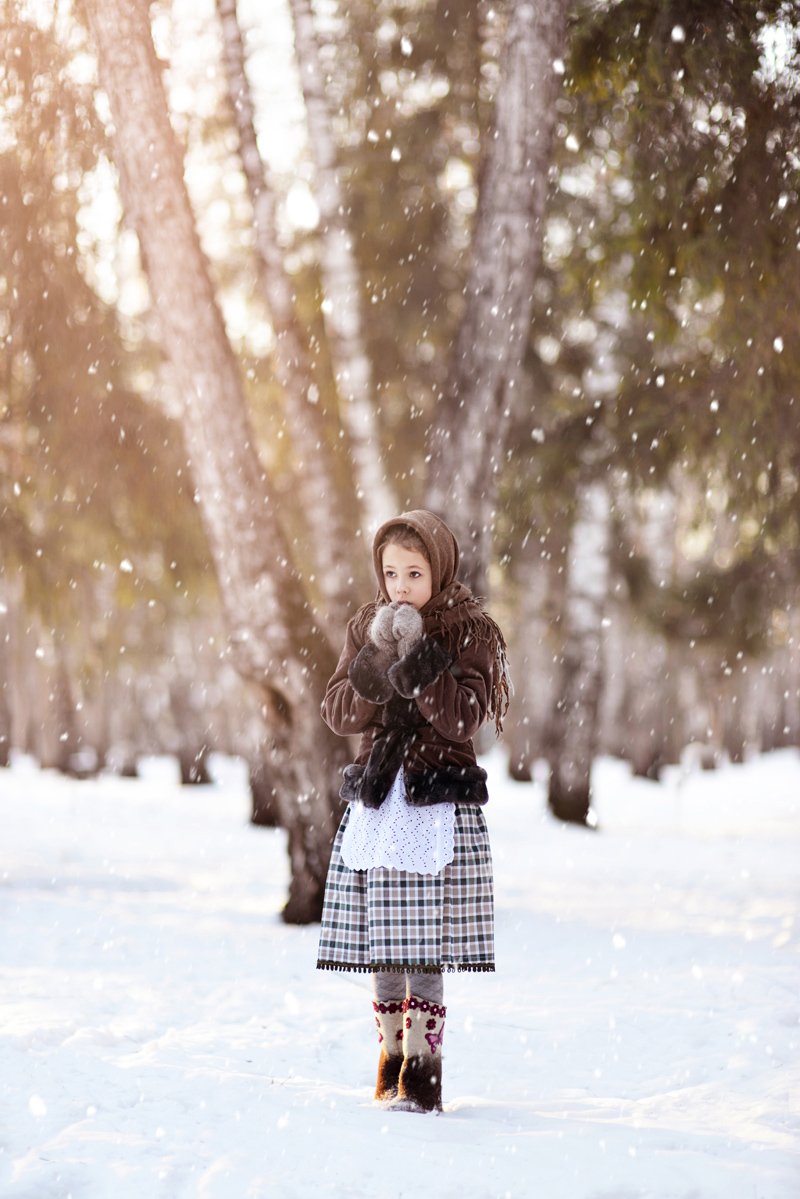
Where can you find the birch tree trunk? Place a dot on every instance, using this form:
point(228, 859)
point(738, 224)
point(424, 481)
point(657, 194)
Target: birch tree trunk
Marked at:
point(52, 733)
point(535, 655)
point(790, 660)
point(5, 675)
point(343, 305)
point(650, 681)
point(575, 716)
point(318, 490)
point(271, 630)
point(188, 715)
point(467, 440)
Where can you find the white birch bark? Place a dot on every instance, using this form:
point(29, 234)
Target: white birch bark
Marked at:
point(656, 741)
point(5, 673)
point(739, 729)
point(468, 438)
point(343, 304)
point(575, 716)
point(27, 695)
point(271, 629)
point(535, 653)
point(790, 672)
point(774, 712)
point(52, 734)
point(317, 490)
point(646, 665)
point(750, 691)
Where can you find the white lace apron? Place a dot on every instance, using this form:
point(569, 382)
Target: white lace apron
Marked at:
point(398, 835)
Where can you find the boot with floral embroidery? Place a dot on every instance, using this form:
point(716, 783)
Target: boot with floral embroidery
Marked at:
point(389, 1021)
point(420, 1084)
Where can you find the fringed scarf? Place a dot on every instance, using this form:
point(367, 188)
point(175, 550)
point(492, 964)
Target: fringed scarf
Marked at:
point(458, 618)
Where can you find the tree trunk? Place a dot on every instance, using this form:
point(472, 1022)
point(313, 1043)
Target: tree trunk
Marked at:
point(69, 735)
point(264, 808)
point(647, 710)
point(343, 305)
point(52, 734)
point(191, 724)
point(735, 739)
point(775, 730)
point(789, 670)
point(649, 682)
point(97, 721)
point(467, 441)
point(5, 674)
point(318, 490)
point(697, 720)
point(575, 715)
point(534, 656)
point(272, 635)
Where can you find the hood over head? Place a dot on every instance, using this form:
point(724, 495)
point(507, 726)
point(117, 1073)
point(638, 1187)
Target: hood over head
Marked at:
point(438, 539)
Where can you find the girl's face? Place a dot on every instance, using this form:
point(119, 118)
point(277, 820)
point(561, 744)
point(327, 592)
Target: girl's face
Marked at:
point(407, 575)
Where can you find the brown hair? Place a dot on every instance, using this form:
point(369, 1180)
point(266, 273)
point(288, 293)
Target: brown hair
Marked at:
point(407, 538)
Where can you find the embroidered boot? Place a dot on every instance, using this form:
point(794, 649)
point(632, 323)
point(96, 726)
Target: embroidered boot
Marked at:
point(420, 1085)
point(389, 1020)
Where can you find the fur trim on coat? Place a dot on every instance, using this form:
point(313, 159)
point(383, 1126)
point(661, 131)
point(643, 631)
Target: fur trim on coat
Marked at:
point(423, 787)
point(414, 673)
point(367, 674)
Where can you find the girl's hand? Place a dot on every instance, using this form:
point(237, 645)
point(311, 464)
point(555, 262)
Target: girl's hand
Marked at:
point(381, 631)
point(407, 628)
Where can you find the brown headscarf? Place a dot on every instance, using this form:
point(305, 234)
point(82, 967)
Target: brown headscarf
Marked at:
point(452, 613)
point(440, 544)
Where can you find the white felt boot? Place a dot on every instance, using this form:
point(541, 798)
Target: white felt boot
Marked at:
point(389, 1016)
point(420, 1084)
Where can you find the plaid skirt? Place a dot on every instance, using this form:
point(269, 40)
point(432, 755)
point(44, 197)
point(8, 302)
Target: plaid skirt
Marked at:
point(385, 919)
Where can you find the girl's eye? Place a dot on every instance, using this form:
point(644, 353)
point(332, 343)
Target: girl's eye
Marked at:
point(389, 573)
point(416, 574)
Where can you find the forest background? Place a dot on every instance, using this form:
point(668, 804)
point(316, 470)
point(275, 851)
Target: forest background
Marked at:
point(270, 272)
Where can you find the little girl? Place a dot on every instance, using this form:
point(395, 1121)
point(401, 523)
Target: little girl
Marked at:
point(409, 889)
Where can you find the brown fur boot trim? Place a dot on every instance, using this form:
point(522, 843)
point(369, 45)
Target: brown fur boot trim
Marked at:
point(388, 1076)
point(420, 1085)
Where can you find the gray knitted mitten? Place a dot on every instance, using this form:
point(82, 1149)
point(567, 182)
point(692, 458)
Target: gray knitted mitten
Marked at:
point(406, 628)
point(368, 670)
point(382, 636)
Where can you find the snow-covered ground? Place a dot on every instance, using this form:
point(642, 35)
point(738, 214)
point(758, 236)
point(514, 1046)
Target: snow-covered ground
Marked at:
point(163, 1034)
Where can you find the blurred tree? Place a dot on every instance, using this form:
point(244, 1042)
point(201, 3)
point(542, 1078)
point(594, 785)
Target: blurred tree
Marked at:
point(711, 383)
point(467, 440)
point(326, 497)
point(645, 716)
point(674, 134)
point(5, 675)
point(273, 635)
point(691, 108)
point(344, 301)
point(573, 735)
point(404, 85)
point(536, 645)
point(91, 487)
